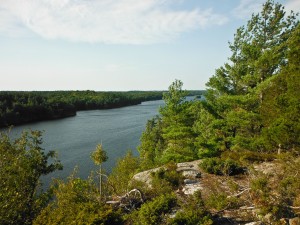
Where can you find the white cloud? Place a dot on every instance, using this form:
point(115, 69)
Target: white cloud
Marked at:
point(247, 7)
point(106, 21)
point(11, 26)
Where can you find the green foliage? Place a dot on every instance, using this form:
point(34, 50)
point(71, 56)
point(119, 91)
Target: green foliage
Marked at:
point(170, 136)
point(23, 107)
point(152, 143)
point(250, 104)
point(251, 110)
point(191, 217)
point(258, 51)
point(99, 155)
point(289, 186)
point(260, 187)
point(263, 197)
point(177, 124)
point(123, 172)
point(192, 212)
point(246, 157)
point(175, 96)
point(76, 202)
point(281, 106)
point(166, 179)
point(23, 162)
point(277, 193)
point(152, 213)
point(219, 166)
point(217, 201)
point(206, 127)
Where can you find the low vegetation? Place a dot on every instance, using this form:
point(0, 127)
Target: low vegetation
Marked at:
point(246, 132)
point(220, 166)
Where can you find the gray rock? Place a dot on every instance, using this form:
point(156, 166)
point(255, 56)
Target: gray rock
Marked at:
point(190, 173)
point(190, 189)
point(189, 181)
point(146, 176)
point(255, 223)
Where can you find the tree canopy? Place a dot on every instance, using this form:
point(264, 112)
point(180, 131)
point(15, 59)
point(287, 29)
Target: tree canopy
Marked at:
point(251, 104)
point(23, 162)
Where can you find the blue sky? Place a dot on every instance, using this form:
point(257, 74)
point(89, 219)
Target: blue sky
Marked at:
point(117, 45)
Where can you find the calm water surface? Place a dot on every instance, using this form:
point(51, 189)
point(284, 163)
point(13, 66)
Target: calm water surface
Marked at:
point(74, 138)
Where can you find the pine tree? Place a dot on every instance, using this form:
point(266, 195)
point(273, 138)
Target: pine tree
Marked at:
point(235, 92)
point(177, 122)
point(281, 107)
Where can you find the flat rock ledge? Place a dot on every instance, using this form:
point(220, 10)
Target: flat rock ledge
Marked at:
point(190, 170)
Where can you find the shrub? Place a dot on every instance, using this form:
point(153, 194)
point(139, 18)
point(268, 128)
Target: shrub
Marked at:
point(217, 201)
point(122, 174)
point(170, 175)
point(152, 213)
point(165, 180)
point(191, 217)
point(244, 156)
point(221, 167)
point(192, 212)
point(75, 202)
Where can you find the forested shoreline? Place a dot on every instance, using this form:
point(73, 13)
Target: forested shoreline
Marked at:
point(18, 107)
point(249, 119)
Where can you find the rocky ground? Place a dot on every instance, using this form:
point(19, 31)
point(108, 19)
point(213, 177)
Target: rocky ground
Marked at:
point(237, 187)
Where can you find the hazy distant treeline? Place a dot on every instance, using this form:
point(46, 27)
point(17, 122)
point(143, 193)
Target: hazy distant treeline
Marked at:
point(23, 107)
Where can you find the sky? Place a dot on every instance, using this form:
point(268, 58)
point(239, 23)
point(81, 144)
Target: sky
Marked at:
point(117, 45)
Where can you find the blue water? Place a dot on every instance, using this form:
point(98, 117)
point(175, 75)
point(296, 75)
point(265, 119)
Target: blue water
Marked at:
point(74, 138)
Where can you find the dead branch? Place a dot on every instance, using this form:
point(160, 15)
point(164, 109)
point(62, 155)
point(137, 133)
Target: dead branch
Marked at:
point(130, 200)
point(238, 194)
point(247, 207)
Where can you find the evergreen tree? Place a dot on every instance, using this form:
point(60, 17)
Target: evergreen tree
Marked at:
point(170, 136)
point(235, 92)
point(152, 143)
point(75, 202)
point(177, 125)
point(281, 107)
point(99, 156)
point(23, 162)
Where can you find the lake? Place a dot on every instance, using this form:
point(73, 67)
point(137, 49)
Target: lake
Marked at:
point(74, 138)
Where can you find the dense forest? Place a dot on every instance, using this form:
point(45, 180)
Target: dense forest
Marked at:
point(23, 107)
point(250, 116)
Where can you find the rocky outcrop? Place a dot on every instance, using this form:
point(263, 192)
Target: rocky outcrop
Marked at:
point(190, 171)
point(234, 187)
point(145, 176)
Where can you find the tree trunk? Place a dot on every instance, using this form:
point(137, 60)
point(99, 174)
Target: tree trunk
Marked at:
point(100, 181)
